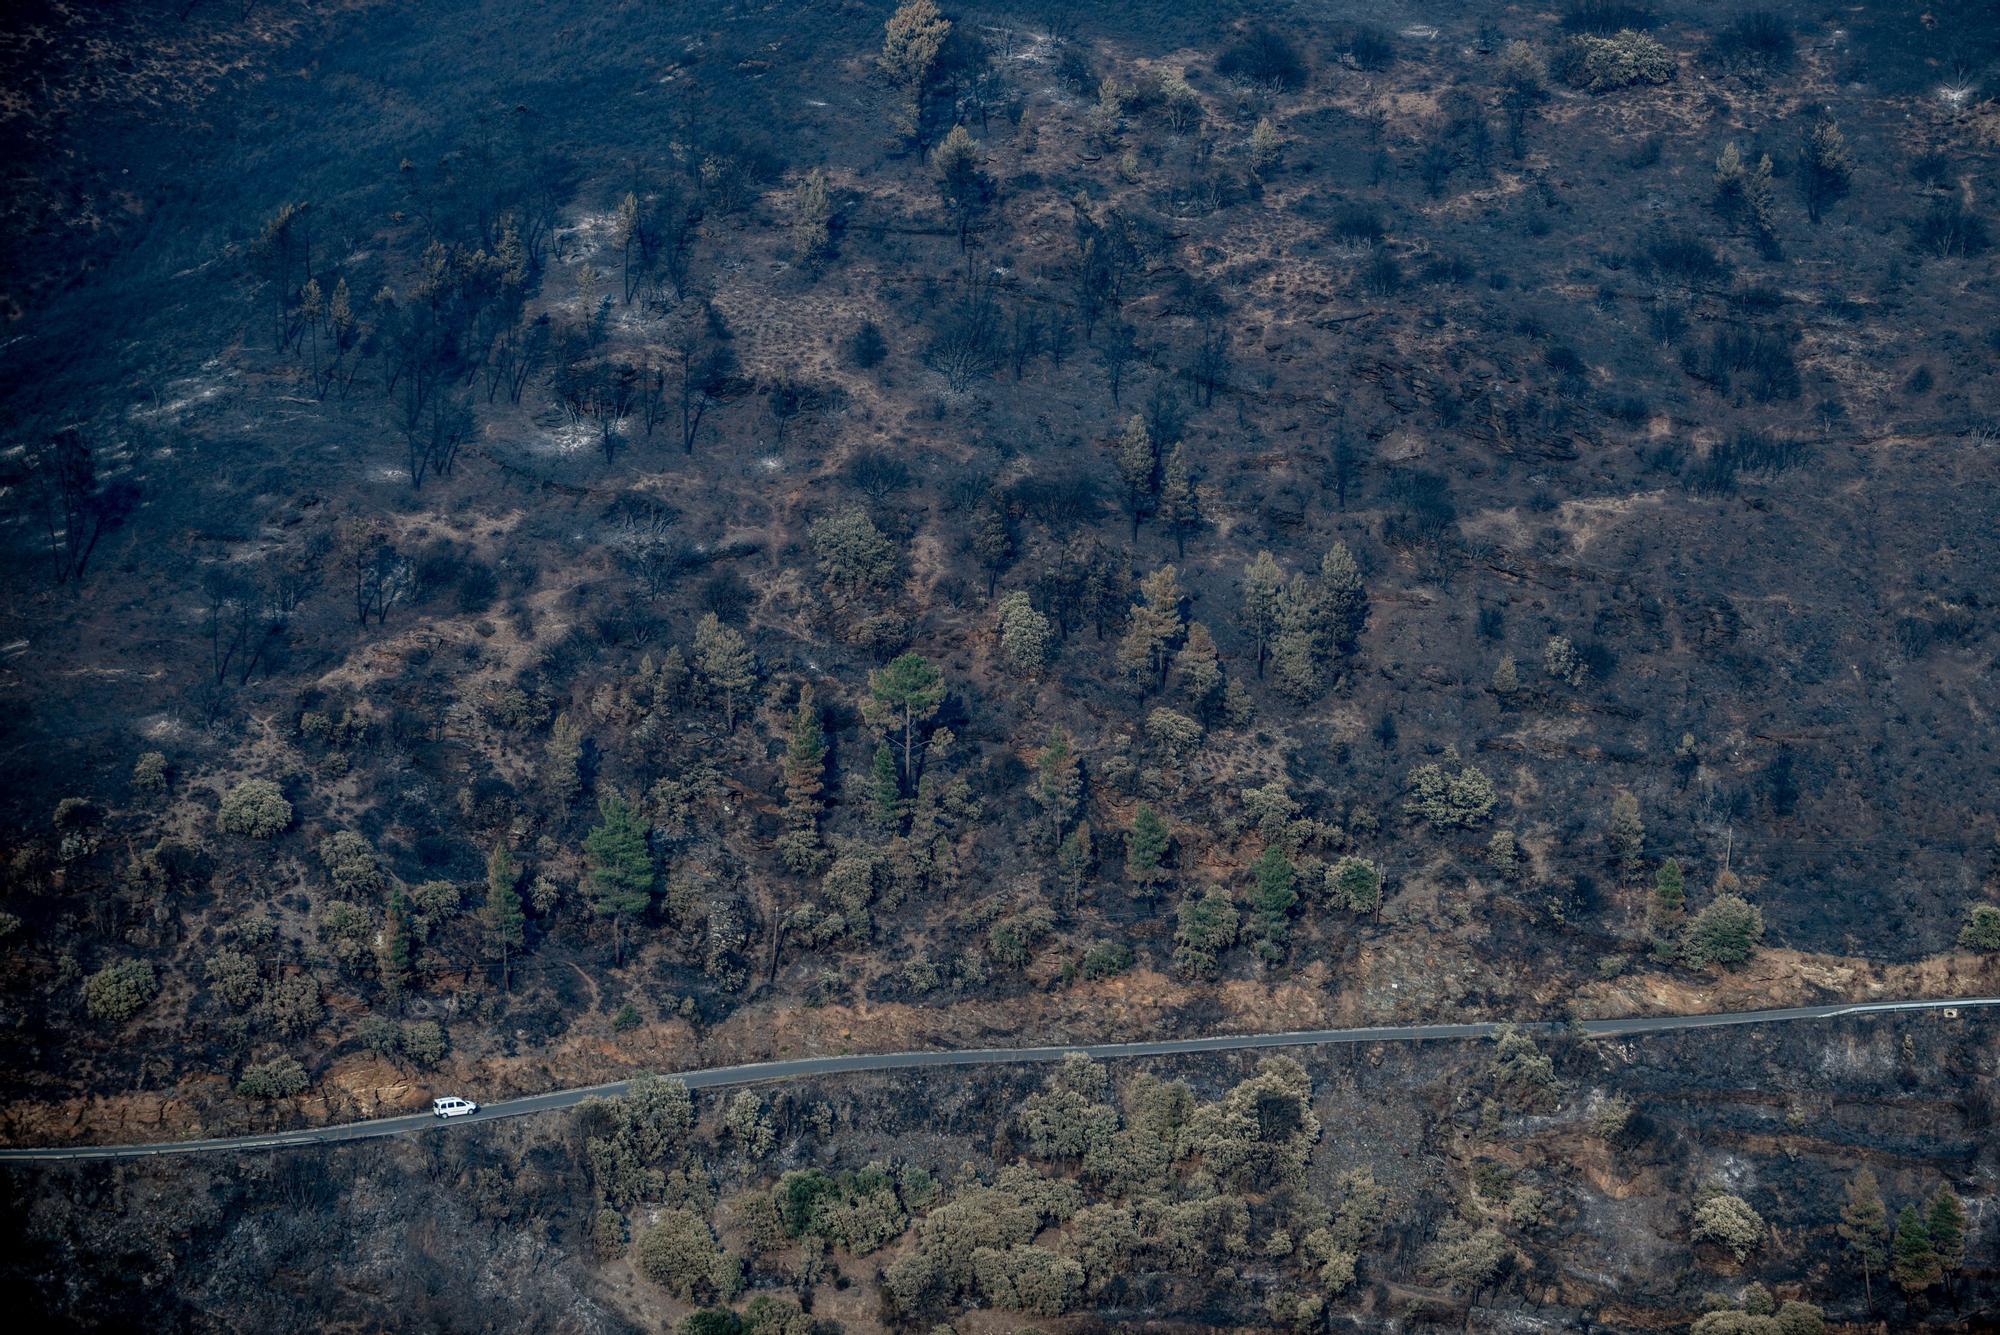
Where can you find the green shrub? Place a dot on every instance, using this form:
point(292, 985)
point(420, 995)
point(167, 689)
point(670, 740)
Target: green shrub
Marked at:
point(608, 1236)
point(149, 774)
point(424, 1043)
point(1601, 64)
point(711, 1321)
point(1725, 933)
point(1107, 959)
point(1445, 799)
point(255, 809)
point(1982, 929)
point(380, 1035)
point(278, 1079)
point(680, 1255)
point(233, 976)
point(1728, 1222)
point(292, 1006)
point(119, 991)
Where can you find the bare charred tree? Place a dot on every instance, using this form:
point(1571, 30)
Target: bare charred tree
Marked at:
point(76, 508)
point(378, 576)
point(242, 624)
point(1208, 368)
point(968, 345)
point(1024, 336)
point(701, 366)
point(1120, 351)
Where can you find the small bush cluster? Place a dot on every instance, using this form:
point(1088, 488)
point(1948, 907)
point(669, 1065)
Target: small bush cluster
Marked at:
point(255, 809)
point(119, 991)
point(1604, 64)
point(277, 1079)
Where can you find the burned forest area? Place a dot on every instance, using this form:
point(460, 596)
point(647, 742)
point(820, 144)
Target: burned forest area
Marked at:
point(551, 543)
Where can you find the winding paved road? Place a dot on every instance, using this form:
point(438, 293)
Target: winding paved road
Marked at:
point(805, 1067)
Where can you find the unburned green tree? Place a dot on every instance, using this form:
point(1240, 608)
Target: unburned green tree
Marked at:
point(1465, 1258)
point(1262, 594)
point(1728, 1222)
point(1449, 799)
point(562, 764)
point(119, 991)
point(501, 916)
point(1152, 629)
point(1180, 504)
point(392, 953)
point(906, 693)
point(1146, 847)
point(855, 559)
point(1026, 636)
point(1272, 899)
point(1668, 904)
point(1058, 784)
point(963, 186)
point(255, 809)
point(803, 773)
point(1825, 166)
point(725, 666)
point(812, 219)
point(622, 875)
point(1138, 460)
point(911, 43)
point(1724, 934)
point(1197, 669)
point(1946, 1221)
point(1205, 927)
point(681, 1255)
point(1982, 929)
point(1913, 1260)
point(885, 790)
point(1354, 884)
point(1626, 833)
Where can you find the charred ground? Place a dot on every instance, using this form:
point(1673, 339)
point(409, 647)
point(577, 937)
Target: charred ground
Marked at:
point(397, 392)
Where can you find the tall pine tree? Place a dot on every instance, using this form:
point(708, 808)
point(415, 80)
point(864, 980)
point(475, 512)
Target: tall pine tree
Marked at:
point(621, 868)
point(1146, 851)
point(1913, 1260)
point(502, 917)
point(803, 773)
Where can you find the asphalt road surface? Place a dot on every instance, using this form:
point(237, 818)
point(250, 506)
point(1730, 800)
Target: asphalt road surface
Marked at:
point(806, 1067)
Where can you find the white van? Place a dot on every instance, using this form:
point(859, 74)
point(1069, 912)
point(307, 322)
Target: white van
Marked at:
point(453, 1107)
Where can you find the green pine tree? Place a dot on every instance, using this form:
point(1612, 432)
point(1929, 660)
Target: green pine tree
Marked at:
point(1179, 504)
point(1272, 900)
point(1138, 463)
point(1356, 885)
point(1913, 1260)
point(502, 916)
point(803, 773)
point(621, 867)
point(885, 794)
point(1669, 903)
point(1073, 861)
point(1146, 851)
point(902, 695)
point(727, 668)
point(1947, 1228)
point(393, 958)
point(1058, 783)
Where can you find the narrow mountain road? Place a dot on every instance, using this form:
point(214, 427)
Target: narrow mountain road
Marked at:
point(806, 1067)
